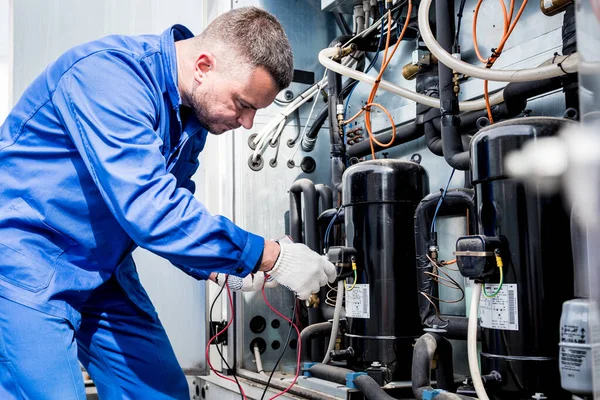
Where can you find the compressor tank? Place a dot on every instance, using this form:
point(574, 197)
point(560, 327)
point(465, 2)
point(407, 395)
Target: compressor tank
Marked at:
point(520, 328)
point(380, 198)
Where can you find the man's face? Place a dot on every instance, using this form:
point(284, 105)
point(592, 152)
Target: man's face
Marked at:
point(225, 100)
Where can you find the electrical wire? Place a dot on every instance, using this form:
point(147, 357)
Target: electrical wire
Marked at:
point(445, 280)
point(500, 266)
point(328, 230)
point(370, 103)
point(354, 268)
point(440, 201)
point(349, 289)
point(509, 25)
point(557, 67)
point(459, 15)
point(366, 72)
point(235, 379)
point(299, 348)
point(437, 310)
point(444, 264)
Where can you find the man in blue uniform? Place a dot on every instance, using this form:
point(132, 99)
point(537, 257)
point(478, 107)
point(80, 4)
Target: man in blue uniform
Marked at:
point(96, 159)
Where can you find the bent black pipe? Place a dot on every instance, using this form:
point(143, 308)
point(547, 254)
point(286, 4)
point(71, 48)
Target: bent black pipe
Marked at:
point(334, 88)
point(456, 202)
point(425, 349)
point(317, 344)
point(433, 138)
point(311, 234)
point(329, 373)
point(319, 330)
point(517, 93)
point(324, 197)
point(452, 146)
point(371, 389)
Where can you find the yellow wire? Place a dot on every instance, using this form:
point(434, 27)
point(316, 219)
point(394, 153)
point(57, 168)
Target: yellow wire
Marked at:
point(355, 278)
point(499, 264)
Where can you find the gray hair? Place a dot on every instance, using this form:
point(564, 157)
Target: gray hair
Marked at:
point(257, 37)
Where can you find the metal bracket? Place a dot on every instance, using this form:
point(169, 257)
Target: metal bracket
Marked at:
point(218, 326)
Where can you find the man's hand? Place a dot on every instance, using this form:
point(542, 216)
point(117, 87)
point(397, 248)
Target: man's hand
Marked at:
point(250, 283)
point(302, 270)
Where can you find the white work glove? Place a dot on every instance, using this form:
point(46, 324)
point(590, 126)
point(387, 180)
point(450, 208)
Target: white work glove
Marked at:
point(302, 270)
point(250, 283)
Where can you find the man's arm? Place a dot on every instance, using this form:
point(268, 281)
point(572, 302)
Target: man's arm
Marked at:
point(270, 255)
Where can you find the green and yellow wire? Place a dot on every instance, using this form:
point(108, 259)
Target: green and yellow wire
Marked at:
point(355, 277)
point(499, 264)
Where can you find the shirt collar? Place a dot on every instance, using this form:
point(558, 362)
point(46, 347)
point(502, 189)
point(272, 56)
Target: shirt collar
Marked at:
point(167, 44)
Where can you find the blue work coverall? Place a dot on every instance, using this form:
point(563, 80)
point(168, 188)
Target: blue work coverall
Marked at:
point(96, 159)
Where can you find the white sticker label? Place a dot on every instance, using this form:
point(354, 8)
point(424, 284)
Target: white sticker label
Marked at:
point(357, 302)
point(548, 3)
point(502, 311)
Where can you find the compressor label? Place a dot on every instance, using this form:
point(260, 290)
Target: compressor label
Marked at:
point(502, 311)
point(357, 302)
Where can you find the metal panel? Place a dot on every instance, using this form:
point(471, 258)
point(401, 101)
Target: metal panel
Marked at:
point(261, 198)
point(307, 388)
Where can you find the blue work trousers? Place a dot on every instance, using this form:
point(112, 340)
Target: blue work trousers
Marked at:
point(126, 352)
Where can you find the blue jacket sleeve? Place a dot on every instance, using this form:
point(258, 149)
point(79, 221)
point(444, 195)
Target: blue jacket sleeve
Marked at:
point(189, 184)
point(109, 107)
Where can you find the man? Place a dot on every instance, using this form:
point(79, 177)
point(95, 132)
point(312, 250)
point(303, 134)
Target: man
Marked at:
point(95, 160)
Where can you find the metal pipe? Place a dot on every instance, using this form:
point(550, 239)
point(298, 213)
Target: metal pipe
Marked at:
point(258, 360)
point(324, 197)
point(452, 145)
point(371, 389)
point(330, 373)
point(322, 329)
point(311, 234)
point(317, 345)
point(433, 138)
point(426, 347)
point(456, 202)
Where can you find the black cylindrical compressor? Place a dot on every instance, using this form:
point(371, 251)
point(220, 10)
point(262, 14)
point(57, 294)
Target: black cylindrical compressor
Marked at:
point(380, 198)
point(520, 327)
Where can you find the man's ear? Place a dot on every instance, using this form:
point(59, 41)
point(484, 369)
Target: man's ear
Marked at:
point(203, 65)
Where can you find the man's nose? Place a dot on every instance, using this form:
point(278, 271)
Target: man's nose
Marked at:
point(246, 119)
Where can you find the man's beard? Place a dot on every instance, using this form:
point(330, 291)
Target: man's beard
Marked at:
point(203, 109)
